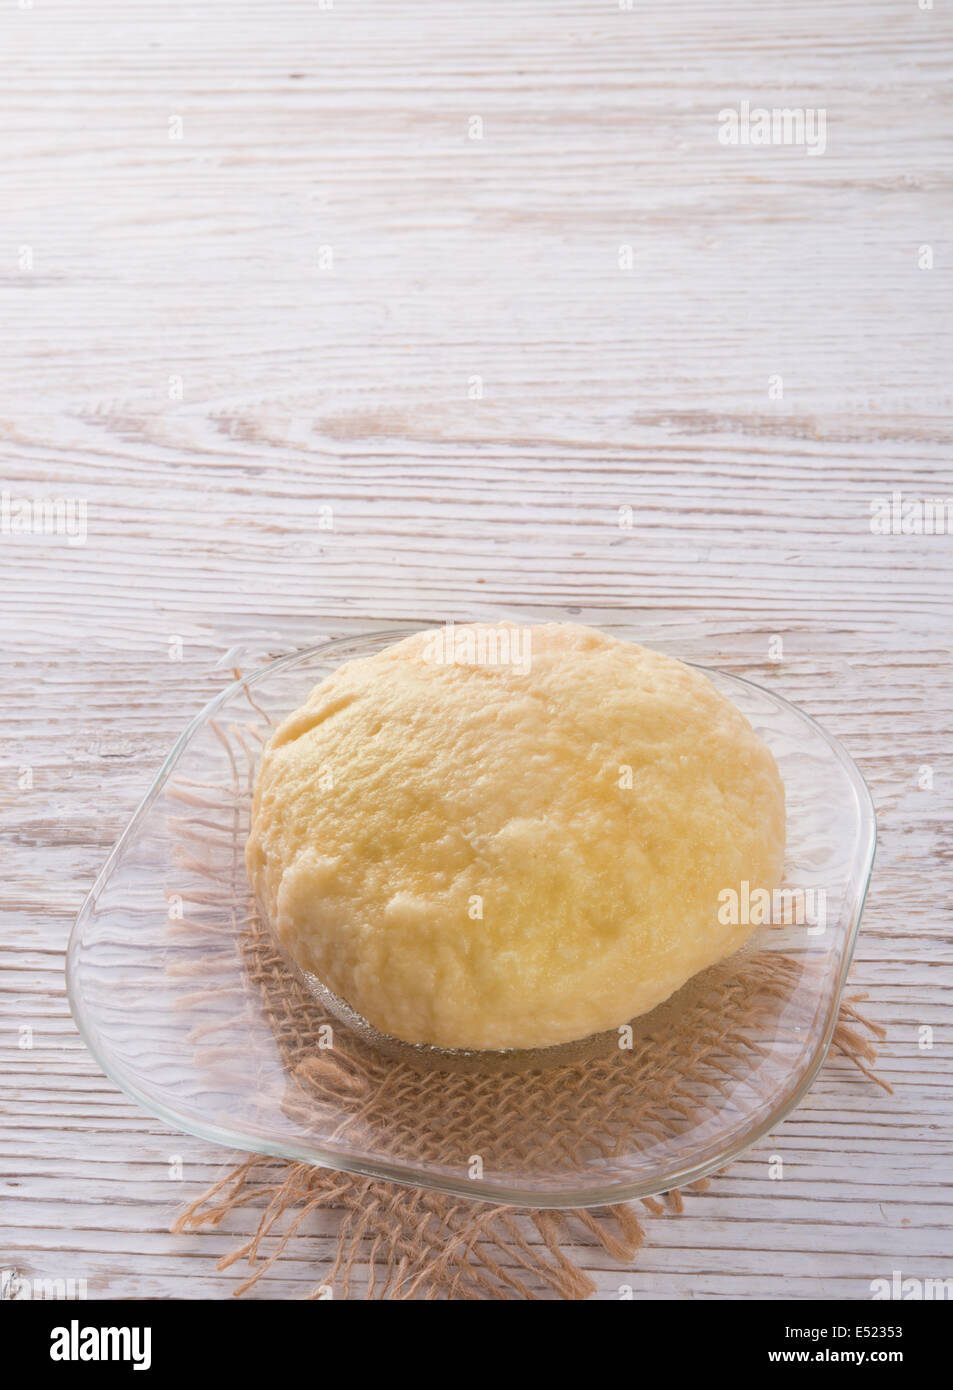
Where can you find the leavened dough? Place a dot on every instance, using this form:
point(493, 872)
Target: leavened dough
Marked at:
point(485, 856)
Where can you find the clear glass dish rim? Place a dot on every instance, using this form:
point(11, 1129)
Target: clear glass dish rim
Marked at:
point(476, 1189)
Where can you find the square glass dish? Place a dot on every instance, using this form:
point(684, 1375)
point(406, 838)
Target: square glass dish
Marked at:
point(186, 1002)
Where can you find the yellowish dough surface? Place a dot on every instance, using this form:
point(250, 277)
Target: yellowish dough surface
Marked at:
point(487, 853)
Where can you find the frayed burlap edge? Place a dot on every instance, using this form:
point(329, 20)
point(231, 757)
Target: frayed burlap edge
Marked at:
point(420, 1244)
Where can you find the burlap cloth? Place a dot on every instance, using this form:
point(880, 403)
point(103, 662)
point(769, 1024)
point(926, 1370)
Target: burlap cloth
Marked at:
point(418, 1243)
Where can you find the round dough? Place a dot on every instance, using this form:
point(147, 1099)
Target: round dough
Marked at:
point(511, 854)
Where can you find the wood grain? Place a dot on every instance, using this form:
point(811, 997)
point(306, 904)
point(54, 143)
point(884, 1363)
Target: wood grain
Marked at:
point(180, 356)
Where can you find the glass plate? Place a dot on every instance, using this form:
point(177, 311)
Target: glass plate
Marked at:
point(172, 980)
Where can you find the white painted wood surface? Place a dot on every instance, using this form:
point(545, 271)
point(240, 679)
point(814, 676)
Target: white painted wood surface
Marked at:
point(208, 339)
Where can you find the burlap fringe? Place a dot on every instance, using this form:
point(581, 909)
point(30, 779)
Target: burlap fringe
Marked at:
point(414, 1242)
point(417, 1243)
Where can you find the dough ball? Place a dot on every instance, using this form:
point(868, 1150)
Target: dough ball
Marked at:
point(508, 853)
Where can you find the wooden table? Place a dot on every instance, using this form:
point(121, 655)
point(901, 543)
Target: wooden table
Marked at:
point(337, 314)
